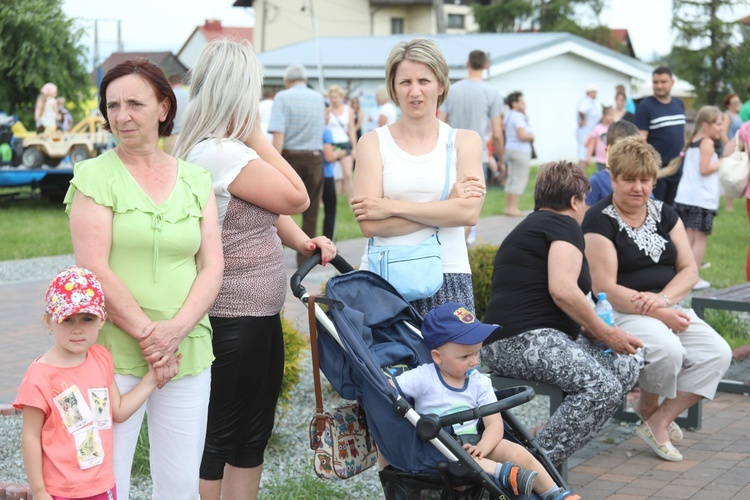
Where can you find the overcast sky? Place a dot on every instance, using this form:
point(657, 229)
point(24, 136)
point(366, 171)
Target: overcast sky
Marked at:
point(154, 25)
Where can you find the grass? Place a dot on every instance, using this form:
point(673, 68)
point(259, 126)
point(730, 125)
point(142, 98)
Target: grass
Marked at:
point(302, 487)
point(32, 227)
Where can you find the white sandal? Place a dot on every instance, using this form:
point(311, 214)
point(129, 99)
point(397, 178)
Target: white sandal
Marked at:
point(665, 450)
point(675, 433)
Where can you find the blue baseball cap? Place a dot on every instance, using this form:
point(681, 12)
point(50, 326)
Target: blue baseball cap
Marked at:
point(454, 322)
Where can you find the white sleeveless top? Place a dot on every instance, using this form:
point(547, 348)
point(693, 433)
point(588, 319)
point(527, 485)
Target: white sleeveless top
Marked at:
point(421, 178)
point(695, 189)
point(339, 126)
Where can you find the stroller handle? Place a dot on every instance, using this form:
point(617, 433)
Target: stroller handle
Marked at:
point(518, 396)
point(295, 281)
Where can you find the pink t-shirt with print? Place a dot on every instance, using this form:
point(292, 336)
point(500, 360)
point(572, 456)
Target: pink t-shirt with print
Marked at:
point(77, 429)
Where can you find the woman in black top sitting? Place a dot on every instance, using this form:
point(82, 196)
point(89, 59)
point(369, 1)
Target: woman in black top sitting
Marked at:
point(538, 295)
point(641, 257)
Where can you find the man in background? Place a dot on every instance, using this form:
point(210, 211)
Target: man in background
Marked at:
point(183, 98)
point(297, 123)
point(661, 120)
point(476, 105)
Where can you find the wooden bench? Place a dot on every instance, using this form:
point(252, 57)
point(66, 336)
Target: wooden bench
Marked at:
point(734, 298)
point(554, 393)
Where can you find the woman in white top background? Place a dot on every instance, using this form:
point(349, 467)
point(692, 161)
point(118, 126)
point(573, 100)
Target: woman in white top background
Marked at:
point(401, 171)
point(387, 112)
point(344, 133)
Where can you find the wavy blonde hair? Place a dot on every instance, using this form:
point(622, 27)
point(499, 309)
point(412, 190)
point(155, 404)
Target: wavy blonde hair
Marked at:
point(225, 88)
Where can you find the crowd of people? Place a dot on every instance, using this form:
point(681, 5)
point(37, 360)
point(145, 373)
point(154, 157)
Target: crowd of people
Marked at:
point(186, 243)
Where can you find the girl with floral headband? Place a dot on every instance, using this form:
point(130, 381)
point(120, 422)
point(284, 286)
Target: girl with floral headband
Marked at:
point(69, 397)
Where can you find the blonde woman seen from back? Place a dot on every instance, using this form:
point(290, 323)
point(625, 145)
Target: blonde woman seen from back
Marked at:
point(256, 192)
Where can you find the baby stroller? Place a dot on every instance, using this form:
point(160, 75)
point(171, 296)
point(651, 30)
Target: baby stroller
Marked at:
point(369, 333)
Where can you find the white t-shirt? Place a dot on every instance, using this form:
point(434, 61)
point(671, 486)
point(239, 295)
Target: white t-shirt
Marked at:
point(264, 110)
point(224, 159)
point(389, 111)
point(432, 395)
point(339, 126)
point(421, 178)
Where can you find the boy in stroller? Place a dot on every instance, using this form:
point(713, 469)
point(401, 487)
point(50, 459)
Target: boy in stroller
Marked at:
point(453, 383)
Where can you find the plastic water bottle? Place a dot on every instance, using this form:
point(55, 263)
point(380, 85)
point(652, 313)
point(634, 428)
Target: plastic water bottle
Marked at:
point(604, 311)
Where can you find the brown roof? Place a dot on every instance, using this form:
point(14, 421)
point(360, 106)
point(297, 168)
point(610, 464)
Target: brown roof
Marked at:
point(164, 59)
point(213, 30)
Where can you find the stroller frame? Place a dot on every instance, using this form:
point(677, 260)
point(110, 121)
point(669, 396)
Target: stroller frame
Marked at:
point(452, 465)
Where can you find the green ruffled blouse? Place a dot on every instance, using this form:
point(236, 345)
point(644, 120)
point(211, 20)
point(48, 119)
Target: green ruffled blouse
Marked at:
point(153, 252)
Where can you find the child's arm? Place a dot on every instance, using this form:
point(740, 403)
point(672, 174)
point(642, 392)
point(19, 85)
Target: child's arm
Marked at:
point(707, 150)
point(590, 145)
point(31, 444)
point(123, 406)
point(491, 437)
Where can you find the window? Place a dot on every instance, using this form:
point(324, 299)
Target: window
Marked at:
point(397, 26)
point(456, 21)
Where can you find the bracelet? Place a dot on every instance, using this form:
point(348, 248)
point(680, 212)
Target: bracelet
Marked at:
point(666, 299)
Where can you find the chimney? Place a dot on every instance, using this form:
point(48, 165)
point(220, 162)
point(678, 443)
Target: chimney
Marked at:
point(213, 25)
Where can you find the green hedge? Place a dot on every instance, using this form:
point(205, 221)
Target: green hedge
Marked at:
point(482, 260)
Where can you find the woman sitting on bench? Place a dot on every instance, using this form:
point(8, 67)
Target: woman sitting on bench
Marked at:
point(538, 295)
point(640, 256)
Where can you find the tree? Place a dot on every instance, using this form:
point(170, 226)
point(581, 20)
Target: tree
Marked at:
point(545, 16)
point(710, 53)
point(38, 45)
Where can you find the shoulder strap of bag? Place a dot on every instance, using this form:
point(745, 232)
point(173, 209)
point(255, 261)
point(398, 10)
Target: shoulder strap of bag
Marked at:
point(320, 421)
point(446, 185)
point(448, 158)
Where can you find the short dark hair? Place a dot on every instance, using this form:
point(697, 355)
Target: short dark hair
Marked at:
point(477, 59)
point(513, 98)
point(728, 98)
point(618, 130)
point(662, 70)
point(154, 76)
point(557, 182)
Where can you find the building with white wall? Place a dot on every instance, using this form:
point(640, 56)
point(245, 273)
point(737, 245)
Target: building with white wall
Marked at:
point(551, 69)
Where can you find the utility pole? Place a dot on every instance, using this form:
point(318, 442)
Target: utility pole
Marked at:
point(96, 44)
point(321, 81)
point(437, 6)
point(263, 7)
point(119, 36)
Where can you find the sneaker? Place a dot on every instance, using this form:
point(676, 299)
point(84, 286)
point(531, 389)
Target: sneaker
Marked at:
point(705, 265)
point(562, 494)
point(514, 479)
point(701, 285)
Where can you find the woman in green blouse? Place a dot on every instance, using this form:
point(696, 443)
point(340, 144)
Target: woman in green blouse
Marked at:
point(146, 224)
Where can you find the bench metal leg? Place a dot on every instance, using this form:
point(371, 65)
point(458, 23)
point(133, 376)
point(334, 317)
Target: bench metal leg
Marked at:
point(693, 420)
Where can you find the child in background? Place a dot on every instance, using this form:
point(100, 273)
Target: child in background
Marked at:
point(69, 397)
point(452, 383)
point(601, 181)
point(331, 157)
point(697, 198)
point(597, 141)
